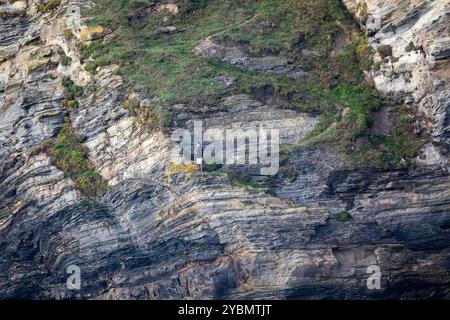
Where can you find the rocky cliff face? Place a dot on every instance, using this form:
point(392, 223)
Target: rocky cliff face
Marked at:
point(182, 234)
point(413, 50)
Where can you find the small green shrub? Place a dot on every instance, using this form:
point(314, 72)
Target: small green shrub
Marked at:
point(71, 90)
point(69, 104)
point(90, 67)
point(343, 216)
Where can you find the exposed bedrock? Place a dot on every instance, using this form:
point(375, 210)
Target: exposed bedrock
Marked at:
point(197, 238)
point(154, 235)
point(413, 58)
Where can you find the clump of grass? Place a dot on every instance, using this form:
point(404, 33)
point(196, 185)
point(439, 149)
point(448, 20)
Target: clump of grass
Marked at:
point(70, 156)
point(154, 115)
point(71, 90)
point(49, 6)
point(35, 42)
point(343, 216)
point(68, 35)
point(70, 104)
point(363, 12)
point(339, 131)
point(71, 93)
point(364, 52)
point(212, 167)
point(91, 67)
point(377, 66)
point(243, 180)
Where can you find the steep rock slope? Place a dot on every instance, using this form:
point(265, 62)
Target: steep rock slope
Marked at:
point(156, 233)
point(413, 67)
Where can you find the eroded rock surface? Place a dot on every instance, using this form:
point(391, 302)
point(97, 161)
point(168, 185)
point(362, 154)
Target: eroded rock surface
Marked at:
point(196, 235)
point(412, 62)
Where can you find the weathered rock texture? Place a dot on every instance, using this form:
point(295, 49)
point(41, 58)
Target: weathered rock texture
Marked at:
point(154, 236)
point(412, 38)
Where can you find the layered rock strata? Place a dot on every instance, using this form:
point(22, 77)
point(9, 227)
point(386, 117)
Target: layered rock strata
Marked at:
point(154, 235)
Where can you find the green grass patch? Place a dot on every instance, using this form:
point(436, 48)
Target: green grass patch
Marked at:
point(243, 180)
point(343, 216)
point(70, 156)
point(333, 128)
point(90, 67)
point(49, 6)
point(65, 60)
point(165, 65)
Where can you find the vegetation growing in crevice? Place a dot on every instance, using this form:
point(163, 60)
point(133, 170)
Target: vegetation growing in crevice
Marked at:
point(71, 93)
point(343, 216)
point(212, 167)
point(70, 156)
point(65, 60)
point(243, 180)
point(48, 6)
point(90, 67)
point(397, 148)
point(152, 114)
point(357, 104)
